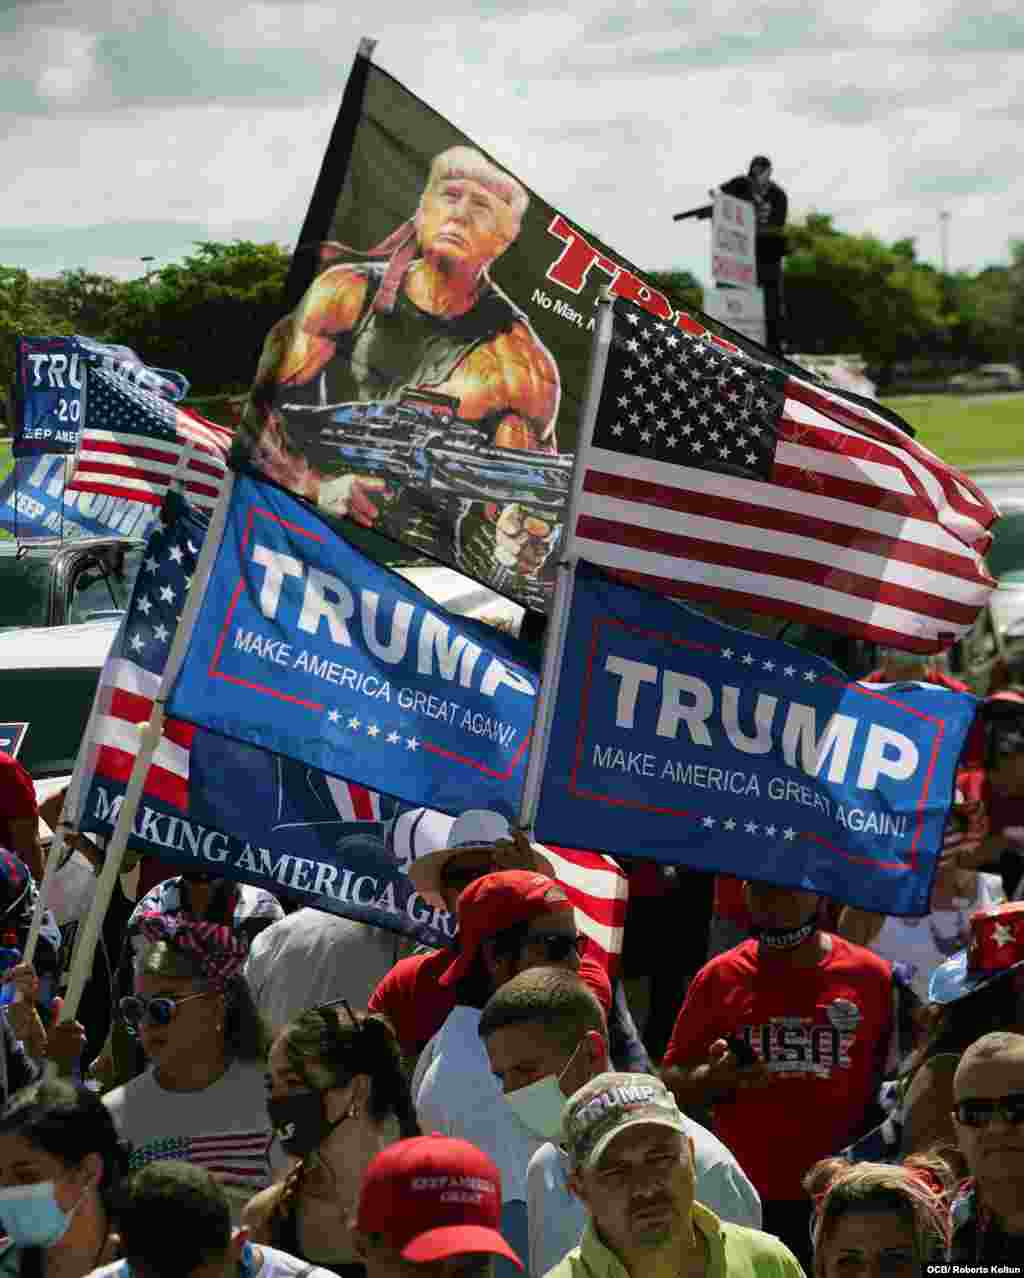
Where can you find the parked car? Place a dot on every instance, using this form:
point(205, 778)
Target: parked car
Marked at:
point(56, 583)
point(998, 634)
point(989, 377)
point(48, 678)
point(60, 606)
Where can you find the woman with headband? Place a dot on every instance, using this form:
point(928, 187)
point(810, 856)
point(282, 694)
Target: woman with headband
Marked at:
point(201, 1099)
point(337, 1096)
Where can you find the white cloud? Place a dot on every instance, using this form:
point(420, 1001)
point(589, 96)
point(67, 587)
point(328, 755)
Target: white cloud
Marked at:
point(217, 114)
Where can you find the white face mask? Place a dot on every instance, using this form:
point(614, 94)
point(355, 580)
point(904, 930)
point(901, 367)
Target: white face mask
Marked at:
point(539, 1105)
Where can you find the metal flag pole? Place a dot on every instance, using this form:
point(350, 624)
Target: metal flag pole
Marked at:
point(150, 735)
point(554, 644)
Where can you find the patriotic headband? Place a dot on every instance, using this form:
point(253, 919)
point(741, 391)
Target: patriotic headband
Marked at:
point(217, 950)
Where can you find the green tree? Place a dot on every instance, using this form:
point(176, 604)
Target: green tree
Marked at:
point(854, 294)
point(85, 299)
point(22, 313)
point(682, 286)
point(206, 316)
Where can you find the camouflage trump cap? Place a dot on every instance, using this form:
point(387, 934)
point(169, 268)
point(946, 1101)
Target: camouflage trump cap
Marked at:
point(610, 1103)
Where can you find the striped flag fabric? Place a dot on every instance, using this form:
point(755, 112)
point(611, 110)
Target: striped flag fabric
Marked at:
point(599, 889)
point(133, 443)
point(134, 668)
point(716, 478)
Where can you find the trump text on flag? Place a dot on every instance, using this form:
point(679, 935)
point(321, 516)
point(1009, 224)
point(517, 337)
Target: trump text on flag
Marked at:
point(306, 647)
point(726, 750)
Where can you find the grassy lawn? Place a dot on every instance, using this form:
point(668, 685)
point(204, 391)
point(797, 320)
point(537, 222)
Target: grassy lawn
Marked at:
point(967, 432)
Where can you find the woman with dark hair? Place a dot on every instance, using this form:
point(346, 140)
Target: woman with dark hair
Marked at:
point(877, 1218)
point(201, 1100)
point(60, 1164)
point(337, 1097)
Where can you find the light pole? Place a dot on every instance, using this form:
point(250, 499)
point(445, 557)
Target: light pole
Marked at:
point(944, 217)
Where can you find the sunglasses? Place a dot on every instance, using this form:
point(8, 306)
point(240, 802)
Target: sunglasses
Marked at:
point(557, 945)
point(463, 878)
point(158, 1011)
point(979, 1113)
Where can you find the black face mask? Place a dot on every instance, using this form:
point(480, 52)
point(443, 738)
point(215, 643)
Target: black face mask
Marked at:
point(777, 938)
point(299, 1122)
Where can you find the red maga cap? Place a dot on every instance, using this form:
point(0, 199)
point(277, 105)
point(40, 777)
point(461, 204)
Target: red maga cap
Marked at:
point(434, 1197)
point(496, 902)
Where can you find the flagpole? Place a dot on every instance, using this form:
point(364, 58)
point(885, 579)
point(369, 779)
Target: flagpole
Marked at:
point(554, 643)
point(69, 807)
point(149, 740)
point(333, 172)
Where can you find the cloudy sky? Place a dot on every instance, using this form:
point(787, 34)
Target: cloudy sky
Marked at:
point(136, 128)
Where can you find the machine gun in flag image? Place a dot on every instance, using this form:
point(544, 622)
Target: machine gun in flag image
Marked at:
point(419, 445)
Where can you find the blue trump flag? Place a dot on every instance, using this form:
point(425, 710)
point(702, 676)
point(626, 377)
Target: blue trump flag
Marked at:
point(49, 393)
point(51, 387)
point(226, 807)
point(306, 648)
point(684, 740)
point(35, 503)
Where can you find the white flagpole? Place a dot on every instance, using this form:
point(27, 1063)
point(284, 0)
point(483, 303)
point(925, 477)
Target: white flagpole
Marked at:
point(69, 808)
point(149, 740)
point(555, 639)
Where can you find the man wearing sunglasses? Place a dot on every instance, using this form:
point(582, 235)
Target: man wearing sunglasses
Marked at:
point(988, 1114)
point(443, 862)
point(509, 922)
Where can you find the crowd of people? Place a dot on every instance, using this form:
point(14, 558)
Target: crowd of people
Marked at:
point(770, 1084)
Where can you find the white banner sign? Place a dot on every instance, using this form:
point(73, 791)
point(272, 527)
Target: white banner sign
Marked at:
point(740, 308)
point(733, 234)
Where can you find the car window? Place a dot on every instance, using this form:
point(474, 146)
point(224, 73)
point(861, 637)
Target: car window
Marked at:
point(104, 584)
point(55, 704)
point(1005, 558)
point(24, 591)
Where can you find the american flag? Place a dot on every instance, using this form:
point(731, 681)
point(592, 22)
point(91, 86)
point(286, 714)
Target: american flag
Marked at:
point(599, 889)
point(133, 443)
point(719, 479)
point(131, 676)
point(234, 1158)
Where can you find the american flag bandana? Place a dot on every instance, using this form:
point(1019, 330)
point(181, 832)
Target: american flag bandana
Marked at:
point(219, 953)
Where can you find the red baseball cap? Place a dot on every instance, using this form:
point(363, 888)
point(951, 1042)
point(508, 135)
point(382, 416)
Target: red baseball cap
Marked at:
point(495, 902)
point(434, 1197)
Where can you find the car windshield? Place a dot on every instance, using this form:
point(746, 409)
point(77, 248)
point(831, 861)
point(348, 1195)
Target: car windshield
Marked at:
point(24, 591)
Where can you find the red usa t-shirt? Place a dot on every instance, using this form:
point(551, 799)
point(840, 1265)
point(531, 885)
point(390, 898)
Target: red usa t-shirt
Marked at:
point(823, 1030)
point(410, 997)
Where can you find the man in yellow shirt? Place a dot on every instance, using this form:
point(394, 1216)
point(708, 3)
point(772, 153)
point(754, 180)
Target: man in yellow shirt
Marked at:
point(632, 1167)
